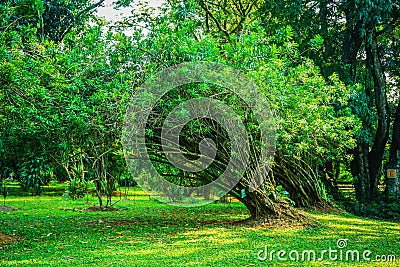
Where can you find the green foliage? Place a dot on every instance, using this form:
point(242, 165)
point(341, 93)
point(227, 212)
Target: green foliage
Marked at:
point(34, 174)
point(317, 42)
point(315, 122)
point(64, 102)
point(126, 180)
point(78, 188)
point(50, 20)
point(67, 102)
point(281, 195)
point(314, 119)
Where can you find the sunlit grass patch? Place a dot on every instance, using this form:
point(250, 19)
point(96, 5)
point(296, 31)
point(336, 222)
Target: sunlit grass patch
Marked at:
point(145, 232)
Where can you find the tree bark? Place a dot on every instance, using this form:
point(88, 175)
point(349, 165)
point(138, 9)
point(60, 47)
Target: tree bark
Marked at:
point(375, 156)
point(367, 165)
point(264, 206)
point(360, 171)
point(264, 210)
point(259, 205)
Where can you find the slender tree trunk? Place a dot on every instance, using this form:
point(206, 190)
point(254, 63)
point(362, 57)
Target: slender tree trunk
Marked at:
point(98, 192)
point(360, 172)
point(367, 165)
point(328, 176)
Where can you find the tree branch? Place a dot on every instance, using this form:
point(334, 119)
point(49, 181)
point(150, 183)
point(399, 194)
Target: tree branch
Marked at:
point(205, 8)
point(72, 23)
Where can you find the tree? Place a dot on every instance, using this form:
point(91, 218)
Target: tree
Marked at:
point(367, 31)
point(62, 105)
point(371, 20)
point(285, 77)
point(392, 185)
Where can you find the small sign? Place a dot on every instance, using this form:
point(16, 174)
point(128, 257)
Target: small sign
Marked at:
point(243, 193)
point(391, 173)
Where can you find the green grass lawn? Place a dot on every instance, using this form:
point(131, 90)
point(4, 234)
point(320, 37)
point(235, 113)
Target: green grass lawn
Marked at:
point(144, 232)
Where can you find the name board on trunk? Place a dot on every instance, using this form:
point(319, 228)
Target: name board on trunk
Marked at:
point(391, 173)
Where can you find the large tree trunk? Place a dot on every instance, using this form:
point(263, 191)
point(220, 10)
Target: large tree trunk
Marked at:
point(392, 185)
point(265, 205)
point(367, 165)
point(352, 42)
point(264, 210)
point(375, 156)
point(260, 205)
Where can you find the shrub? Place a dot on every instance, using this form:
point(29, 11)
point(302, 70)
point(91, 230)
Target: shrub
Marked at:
point(34, 174)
